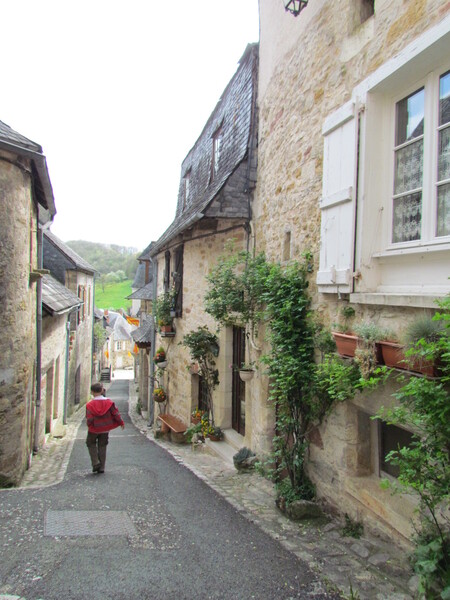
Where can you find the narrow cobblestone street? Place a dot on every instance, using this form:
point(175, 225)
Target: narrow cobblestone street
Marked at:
point(186, 528)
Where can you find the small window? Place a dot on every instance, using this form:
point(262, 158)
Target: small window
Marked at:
point(186, 188)
point(82, 310)
point(216, 150)
point(392, 438)
point(118, 345)
point(167, 271)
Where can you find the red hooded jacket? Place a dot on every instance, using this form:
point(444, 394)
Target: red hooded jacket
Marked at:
point(102, 415)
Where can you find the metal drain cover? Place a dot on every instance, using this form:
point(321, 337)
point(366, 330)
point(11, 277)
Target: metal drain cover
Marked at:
point(87, 523)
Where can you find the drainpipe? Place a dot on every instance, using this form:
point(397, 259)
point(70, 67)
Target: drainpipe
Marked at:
point(38, 337)
point(66, 371)
point(151, 404)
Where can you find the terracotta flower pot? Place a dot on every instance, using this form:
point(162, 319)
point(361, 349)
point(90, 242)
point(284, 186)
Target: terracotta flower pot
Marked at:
point(345, 343)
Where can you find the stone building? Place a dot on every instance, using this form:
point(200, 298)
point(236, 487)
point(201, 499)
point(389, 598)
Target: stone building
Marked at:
point(353, 165)
point(58, 304)
point(73, 272)
point(26, 206)
point(143, 336)
point(214, 205)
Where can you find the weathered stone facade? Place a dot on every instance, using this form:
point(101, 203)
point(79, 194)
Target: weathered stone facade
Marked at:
point(309, 68)
point(26, 202)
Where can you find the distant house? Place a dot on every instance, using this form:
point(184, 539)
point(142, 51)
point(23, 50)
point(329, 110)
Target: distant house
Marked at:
point(72, 271)
point(143, 336)
point(58, 304)
point(214, 205)
point(26, 207)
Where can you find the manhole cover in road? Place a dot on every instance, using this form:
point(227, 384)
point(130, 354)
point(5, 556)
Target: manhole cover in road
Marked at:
point(87, 523)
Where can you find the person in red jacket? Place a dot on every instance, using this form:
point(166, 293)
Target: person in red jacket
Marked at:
point(101, 416)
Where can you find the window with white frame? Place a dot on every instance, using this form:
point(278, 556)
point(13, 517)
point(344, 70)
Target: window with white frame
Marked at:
point(186, 188)
point(385, 204)
point(421, 189)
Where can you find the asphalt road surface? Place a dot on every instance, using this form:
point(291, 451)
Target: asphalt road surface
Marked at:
point(145, 529)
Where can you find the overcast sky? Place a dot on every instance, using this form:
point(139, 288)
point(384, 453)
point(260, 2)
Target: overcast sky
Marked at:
point(117, 93)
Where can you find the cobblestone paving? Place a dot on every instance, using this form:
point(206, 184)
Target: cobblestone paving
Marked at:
point(375, 569)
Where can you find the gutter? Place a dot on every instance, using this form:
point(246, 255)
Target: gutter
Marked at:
point(38, 339)
point(151, 404)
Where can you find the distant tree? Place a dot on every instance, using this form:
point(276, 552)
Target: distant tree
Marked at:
point(121, 275)
point(112, 277)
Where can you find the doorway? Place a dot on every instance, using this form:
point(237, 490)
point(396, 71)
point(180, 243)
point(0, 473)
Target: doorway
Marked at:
point(238, 386)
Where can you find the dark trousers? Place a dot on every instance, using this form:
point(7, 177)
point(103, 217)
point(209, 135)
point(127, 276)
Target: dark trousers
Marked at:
point(96, 444)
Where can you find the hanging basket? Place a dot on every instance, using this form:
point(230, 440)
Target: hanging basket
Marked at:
point(246, 375)
point(159, 395)
point(162, 364)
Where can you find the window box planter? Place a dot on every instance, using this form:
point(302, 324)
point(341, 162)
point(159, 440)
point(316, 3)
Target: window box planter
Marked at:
point(345, 343)
point(394, 356)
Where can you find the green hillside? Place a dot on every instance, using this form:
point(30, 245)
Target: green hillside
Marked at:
point(113, 295)
point(107, 258)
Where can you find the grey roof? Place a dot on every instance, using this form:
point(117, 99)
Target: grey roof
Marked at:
point(139, 277)
point(118, 325)
point(146, 253)
point(74, 259)
point(234, 114)
point(144, 293)
point(12, 141)
point(143, 334)
point(56, 298)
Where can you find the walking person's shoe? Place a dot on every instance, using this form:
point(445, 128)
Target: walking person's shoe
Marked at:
point(96, 468)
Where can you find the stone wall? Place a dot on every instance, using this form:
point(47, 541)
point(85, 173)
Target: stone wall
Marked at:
point(54, 333)
point(200, 255)
point(80, 361)
point(18, 255)
point(308, 68)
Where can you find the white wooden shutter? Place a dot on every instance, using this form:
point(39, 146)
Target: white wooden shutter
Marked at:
point(338, 201)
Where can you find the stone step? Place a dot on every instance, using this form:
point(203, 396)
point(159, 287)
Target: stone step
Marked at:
point(221, 449)
point(233, 438)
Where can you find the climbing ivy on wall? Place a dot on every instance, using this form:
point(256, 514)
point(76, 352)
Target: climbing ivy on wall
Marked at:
point(249, 290)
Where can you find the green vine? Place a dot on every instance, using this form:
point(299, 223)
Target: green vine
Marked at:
point(203, 347)
point(246, 290)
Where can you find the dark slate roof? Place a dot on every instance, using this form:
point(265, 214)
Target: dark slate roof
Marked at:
point(234, 115)
point(143, 334)
point(56, 298)
point(146, 254)
point(144, 293)
point(12, 141)
point(74, 260)
point(9, 135)
point(139, 277)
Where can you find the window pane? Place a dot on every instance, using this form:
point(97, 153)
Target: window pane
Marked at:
point(444, 99)
point(392, 438)
point(407, 218)
point(443, 216)
point(408, 167)
point(444, 154)
point(410, 117)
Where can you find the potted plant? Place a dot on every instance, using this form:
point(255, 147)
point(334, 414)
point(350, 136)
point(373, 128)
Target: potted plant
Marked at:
point(215, 434)
point(421, 345)
point(160, 358)
point(162, 312)
point(345, 340)
point(196, 415)
point(368, 352)
point(246, 371)
point(159, 395)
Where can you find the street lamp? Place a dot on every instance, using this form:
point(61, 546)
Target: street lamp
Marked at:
point(295, 6)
